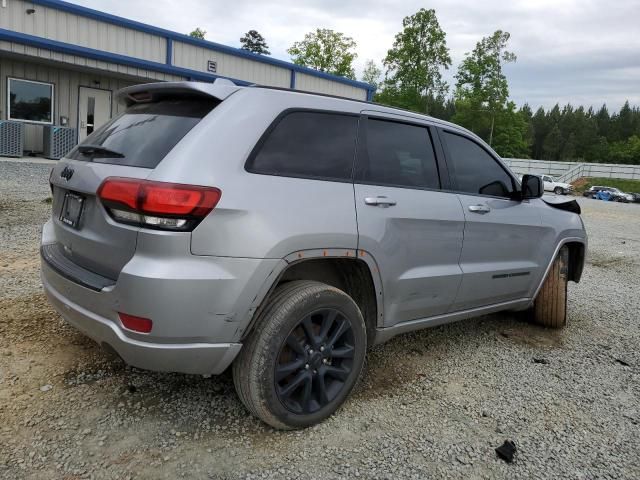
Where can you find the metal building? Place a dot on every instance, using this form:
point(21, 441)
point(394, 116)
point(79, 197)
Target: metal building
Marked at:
point(60, 64)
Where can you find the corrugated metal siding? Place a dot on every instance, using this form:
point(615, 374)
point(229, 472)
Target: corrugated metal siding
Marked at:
point(321, 85)
point(66, 89)
point(19, 49)
point(86, 32)
point(196, 58)
point(59, 25)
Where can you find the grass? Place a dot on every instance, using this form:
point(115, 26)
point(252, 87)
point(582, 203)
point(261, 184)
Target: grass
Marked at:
point(623, 184)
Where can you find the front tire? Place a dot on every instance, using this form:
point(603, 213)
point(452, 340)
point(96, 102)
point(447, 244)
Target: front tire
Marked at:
point(550, 306)
point(558, 191)
point(303, 358)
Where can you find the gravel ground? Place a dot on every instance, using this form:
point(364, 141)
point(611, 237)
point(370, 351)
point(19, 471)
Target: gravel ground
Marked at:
point(432, 404)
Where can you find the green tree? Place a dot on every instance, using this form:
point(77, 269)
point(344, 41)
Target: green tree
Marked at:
point(627, 151)
point(603, 120)
point(511, 129)
point(198, 33)
point(415, 62)
point(371, 73)
point(625, 122)
point(254, 42)
point(327, 51)
point(569, 148)
point(599, 152)
point(552, 144)
point(481, 86)
point(576, 133)
point(541, 128)
point(527, 116)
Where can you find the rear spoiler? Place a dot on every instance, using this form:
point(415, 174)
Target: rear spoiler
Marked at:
point(220, 89)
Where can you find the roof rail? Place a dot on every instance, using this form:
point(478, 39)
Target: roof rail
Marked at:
point(308, 92)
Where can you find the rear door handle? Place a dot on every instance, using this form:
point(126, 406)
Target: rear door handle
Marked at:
point(482, 209)
point(381, 201)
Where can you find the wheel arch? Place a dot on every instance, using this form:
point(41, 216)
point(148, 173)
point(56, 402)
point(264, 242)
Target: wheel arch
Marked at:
point(353, 271)
point(577, 251)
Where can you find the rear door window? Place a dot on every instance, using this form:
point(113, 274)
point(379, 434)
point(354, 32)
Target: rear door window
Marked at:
point(309, 145)
point(398, 154)
point(145, 133)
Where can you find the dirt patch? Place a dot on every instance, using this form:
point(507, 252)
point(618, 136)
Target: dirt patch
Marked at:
point(533, 336)
point(382, 377)
point(604, 262)
point(10, 264)
point(31, 319)
point(580, 185)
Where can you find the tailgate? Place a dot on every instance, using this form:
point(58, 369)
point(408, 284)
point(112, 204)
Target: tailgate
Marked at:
point(96, 242)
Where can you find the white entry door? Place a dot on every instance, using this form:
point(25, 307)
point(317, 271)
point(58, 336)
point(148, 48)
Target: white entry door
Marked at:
point(94, 110)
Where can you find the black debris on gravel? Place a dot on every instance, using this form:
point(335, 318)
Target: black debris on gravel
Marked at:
point(507, 451)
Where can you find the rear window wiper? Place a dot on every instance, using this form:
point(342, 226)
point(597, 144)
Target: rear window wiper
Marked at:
point(98, 150)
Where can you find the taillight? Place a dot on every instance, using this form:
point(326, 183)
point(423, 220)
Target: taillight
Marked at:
point(160, 205)
point(137, 324)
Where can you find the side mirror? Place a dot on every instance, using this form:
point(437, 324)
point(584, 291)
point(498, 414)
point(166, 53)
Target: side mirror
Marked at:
point(532, 187)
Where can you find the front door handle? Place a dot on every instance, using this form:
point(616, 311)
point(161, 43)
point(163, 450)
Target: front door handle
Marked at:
point(381, 201)
point(482, 209)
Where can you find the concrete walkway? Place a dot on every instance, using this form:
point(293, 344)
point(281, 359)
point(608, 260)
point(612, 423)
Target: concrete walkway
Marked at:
point(40, 160)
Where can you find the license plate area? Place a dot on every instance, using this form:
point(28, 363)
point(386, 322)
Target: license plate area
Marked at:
point(72, 209)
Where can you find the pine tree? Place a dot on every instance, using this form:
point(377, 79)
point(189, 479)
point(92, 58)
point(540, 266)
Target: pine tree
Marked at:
point(552, 144)
point(254, 42)
point(198, 33)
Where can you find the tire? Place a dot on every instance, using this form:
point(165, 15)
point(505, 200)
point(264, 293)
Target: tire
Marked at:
point(550, 306)
point(558, 191)
point(282, 339)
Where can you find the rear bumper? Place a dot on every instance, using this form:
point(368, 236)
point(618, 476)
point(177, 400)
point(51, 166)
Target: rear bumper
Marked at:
point(200, 306)
point(195, 358)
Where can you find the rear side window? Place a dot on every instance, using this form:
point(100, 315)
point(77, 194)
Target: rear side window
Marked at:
point(476, 172)
point(398, 154)
point(309, 145)
point(144, 134)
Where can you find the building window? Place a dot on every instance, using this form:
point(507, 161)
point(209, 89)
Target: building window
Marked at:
point(30, 101)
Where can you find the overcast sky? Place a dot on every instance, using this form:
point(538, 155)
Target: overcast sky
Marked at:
point(579, 51)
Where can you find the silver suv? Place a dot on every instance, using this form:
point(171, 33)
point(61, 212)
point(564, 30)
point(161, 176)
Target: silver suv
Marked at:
point(281, 233)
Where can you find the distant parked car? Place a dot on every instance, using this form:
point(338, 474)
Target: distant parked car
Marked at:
point(614, 194)
point(552, 185)
point(603, 195)
point(592, 191)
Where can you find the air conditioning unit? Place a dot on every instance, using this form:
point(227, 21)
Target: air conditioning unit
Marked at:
point(58, 141)
point(11, 138)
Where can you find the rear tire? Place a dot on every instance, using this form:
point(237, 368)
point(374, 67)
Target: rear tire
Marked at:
point(550, 306)
point(303, 358)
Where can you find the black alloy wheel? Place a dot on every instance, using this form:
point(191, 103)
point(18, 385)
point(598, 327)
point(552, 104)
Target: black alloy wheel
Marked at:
point(315, 361)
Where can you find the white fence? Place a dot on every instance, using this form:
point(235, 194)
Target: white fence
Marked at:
point(570, 171)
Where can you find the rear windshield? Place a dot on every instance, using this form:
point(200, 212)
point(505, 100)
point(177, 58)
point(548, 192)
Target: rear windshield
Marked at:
point(144, 134)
